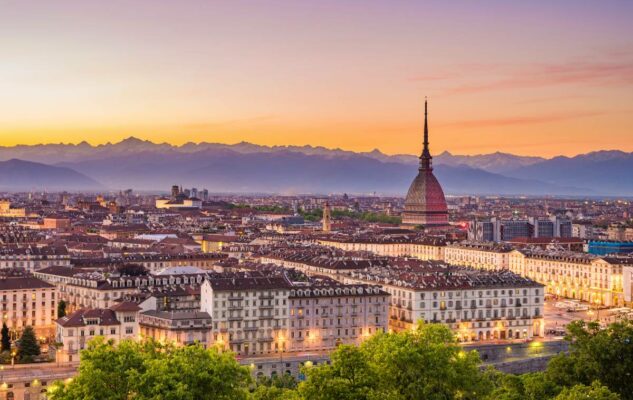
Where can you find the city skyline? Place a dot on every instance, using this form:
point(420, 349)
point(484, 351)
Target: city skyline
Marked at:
point(333, 75)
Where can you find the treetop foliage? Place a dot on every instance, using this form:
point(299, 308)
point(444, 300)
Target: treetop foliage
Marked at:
point(423, 363)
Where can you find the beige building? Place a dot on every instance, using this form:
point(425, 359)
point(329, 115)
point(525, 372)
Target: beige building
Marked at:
point(476, 305)
point(28, 301)
point(9, 212)
point(488, 256)
point(391, 246)
point(177, 327)
point(33, 258)
point(250, 314)
point(327, 313)
point(116, 323)
point(581, 276)
point(82, 288)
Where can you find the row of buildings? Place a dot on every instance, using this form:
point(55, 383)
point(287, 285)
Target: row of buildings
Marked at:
point(251, 313)
point(599, 279)
point(476, 304)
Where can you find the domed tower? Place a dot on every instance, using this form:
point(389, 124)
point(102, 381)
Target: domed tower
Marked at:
point(425, 204)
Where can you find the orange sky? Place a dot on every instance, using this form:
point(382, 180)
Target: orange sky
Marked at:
point(530, 78)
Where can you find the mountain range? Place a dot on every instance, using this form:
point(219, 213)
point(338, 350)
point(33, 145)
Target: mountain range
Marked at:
point(246, 167)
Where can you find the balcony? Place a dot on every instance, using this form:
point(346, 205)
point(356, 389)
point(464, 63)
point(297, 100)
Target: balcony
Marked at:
point(250, 328)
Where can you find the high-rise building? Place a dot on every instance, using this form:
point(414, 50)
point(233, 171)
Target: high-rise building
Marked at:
point(175, 191)
point(425, 204)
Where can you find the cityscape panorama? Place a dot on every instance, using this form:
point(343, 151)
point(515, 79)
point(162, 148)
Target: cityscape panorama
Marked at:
point(316, 200)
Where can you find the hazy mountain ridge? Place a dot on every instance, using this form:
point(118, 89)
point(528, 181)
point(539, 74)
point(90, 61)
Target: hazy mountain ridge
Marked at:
point(26, 175)
point(246, 167)
point(59, 153)
point(294, 172)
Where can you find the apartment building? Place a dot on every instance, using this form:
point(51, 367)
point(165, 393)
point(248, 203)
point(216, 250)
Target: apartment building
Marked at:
point(505, 304)
point(326, 313)
point(155, 262)
point(84, 288)
point(581, 276)
point(481, 255)
point(423, 248)
point(477, 305)
point(177, 327)
point(249, 312)
point(28, 301)
point(33, 258)
point(116, 323)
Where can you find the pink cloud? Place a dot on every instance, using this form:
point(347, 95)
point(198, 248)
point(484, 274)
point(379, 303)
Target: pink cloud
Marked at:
point(520, 120)
point(544, 75)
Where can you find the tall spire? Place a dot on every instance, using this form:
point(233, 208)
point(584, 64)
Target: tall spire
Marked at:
point(425, 157)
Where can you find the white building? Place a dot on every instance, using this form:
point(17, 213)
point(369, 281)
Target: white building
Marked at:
point(116, 323)
point(250, 314)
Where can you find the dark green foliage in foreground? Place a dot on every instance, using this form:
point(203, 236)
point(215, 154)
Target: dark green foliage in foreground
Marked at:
point(149, 370)
point(602, 355)
point(425, 363)
point(29, 347)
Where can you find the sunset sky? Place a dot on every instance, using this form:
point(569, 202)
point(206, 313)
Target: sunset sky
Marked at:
point(525, 77)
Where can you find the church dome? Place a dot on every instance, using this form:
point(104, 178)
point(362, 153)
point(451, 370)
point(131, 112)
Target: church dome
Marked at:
point(425, 194)
point(425, 203)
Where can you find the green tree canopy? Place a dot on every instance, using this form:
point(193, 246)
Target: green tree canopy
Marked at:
point(149, 370)
point(29, 347)
point(425, 363)
point(604, 355)
point(582, 392)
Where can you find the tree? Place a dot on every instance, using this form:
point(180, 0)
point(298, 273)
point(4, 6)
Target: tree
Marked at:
point(425, 363)
point(263, 392)
point(61, 309)
point(6, 340)
point(533, 386)
point(594, 392)
point(28, 347)
point(149, 370)
point(349, 376)
point(604, 355)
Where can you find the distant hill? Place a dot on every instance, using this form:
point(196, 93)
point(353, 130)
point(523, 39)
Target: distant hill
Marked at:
point(246, 167)
point(609, 172)
point(294, 172)
point(25, 175)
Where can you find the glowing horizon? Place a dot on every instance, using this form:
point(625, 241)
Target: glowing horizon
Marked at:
point(526, 78)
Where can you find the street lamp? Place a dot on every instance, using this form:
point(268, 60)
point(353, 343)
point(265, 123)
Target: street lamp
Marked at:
point(13, 354)
point(280, 343)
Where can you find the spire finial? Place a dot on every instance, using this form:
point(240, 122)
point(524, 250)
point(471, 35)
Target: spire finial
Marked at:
point(425, 157)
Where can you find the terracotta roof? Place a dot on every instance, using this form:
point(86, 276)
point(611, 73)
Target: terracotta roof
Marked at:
point(125, 306)
point(105, 316)
point(20, 283)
